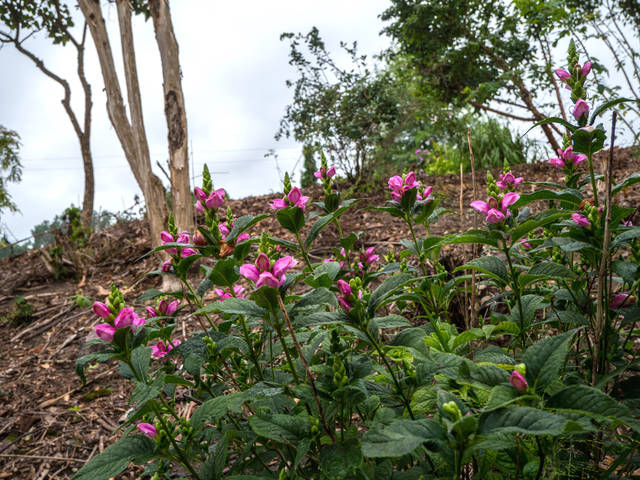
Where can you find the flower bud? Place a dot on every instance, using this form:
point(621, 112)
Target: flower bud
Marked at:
point(101, 310)
point(452, 410)
point(105, 332)
point(147, 429)
point(518, 381)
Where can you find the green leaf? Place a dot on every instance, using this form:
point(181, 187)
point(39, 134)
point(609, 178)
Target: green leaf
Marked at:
point(291, 218)
point(214, 409)
point(244, 223)
point(472, 236)
point(316, 298)
point(538, 221)
point(115, 458)
point(140, 361)
point(400, 437)
point(317, 227)
point(545, 360)
point(390, 321)
point(627, 182)
point(530, 305)
point(387, 288)
point(213, 466)
point(223, 272)
point(340, 459)
point(522, 420)
point(490, 265)
point(573, 197)
point(238, 306)
point(625, 237)
point(606, 106)
point(280, 427)
point(322, 318)
point(548, 120)
point(99, 357)
point(581, 398)
point(143, 393)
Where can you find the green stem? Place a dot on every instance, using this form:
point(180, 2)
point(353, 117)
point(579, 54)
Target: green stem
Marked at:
point(516, 290)
point(285, 348)
point(391, 372)
point(305, 255)
point(593, 179)
point(415, 242)
point(180, 453)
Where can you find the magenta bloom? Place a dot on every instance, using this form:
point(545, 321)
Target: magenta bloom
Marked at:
point(580, 220)
point(399, 186)
point(151, 312)
point(322, 173)
point(621, 300)
point(199, 206)
point(216, 199)
point(344, 288)
point(198, 239)
point(518, 381)
point(166, 266)
point(148, 429)
point(562, 74)
point(567, 158)
point(278, 204)
point(183, 237)
point(580, 109)
point(166, 237)
point(199, 194)
point(101, 310)
point(167, 308)
point(426, 194)
point(187, 252)
point(586, 68)
point(508, 179)
point(368, 256)
point(224, 294)
point(125, 318)
point(263, 273)
point(296, 199)
point(161, 348)
point(491, 210)
point(105, 332)
point(344, 304)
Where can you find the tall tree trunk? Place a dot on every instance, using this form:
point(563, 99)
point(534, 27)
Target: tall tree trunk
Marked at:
point(132, 135)
point(174, 110)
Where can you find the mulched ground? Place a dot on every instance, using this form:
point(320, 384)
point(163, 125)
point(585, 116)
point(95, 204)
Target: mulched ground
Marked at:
point(49, 423)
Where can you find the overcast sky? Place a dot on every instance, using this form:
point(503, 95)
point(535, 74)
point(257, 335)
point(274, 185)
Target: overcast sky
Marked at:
point(234, 71)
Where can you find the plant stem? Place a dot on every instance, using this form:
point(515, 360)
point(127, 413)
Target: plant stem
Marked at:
point(305, 255)
point(516, 290)
point(415, 242)
point(306, 367)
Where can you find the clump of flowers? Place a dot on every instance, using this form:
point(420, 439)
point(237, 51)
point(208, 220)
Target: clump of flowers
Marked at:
point(211, 200)
point(292, 197)
point(347, 298)
point(160, 349)
point(567, 159)
point(497, 208)
point(508, 181)
point(126, 316)
point(223, 294)
point(264, 272)
point(401, 185)
point(163, 308)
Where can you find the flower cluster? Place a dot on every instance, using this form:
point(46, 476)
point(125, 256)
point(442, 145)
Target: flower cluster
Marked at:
point(293, 199)
point(401, 185)
point(264, 273)
point(567, 159)
point(347, 297)
point(211, 201)
point(496, 212)
point(166, 237)
point(160, 349)
point(163, 308)
point(224, 231)
point(508, 181)
point(223, 294)
point(126, 317)
point(324, 173)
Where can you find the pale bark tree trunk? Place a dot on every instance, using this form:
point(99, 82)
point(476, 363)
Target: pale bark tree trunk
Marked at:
point(83, 132)
point(174, 110)
point(132, 134)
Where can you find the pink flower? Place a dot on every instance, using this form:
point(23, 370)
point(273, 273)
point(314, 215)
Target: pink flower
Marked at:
point(242, 237)
point(199, 206)
point(148, 429)
point(562, 74)
point(198, 239)
point(508, 200)
point(627, 223)
point(294, 195)
point(224, 294)
point(101, 310)
point(518, 381)
point(187, 252)
point(105, 332)
point(216, 199)
point(507, 179)
point(263, 263)
point(580, 220)
point(344, 304)
point(166, 266)
point(567, 158)
point(526, 245)
point(283, 264)
point(250, 272)
point(278, 204)
point(125, 317)
point(495, 216)
point(621, 300)
point(199, 194)
point(160, 349)
point(395, 183)
point(183, 237)
point(368, 256)
point(172, 307)
point(331, 172)
point(557, 162)
point(426, 194)
point(586, 68)
point(166, 237)
point(580, 109)
point(344, 288)
point(322, 173)
point(151, 312)
point(268, 279)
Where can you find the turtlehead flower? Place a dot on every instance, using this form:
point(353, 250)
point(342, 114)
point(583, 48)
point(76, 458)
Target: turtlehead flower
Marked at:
point(105, 332)
point(216, 199)
point(508, 180)
point(166, 237)
point(567, 158)
point(580, 220)
point(368, 257)
point(580, 109)
point(562, 74)
point(293, 199)
point(147, 429)
point(160, 349)
point(621, 300)
point(101, 310)
point(586, 68)
point(263, 273)
point(401, 185)
point(490, 209)
point(166, 266)
point(224, 231)
point(323, 174)
point(518, 381)
point(224, 294)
